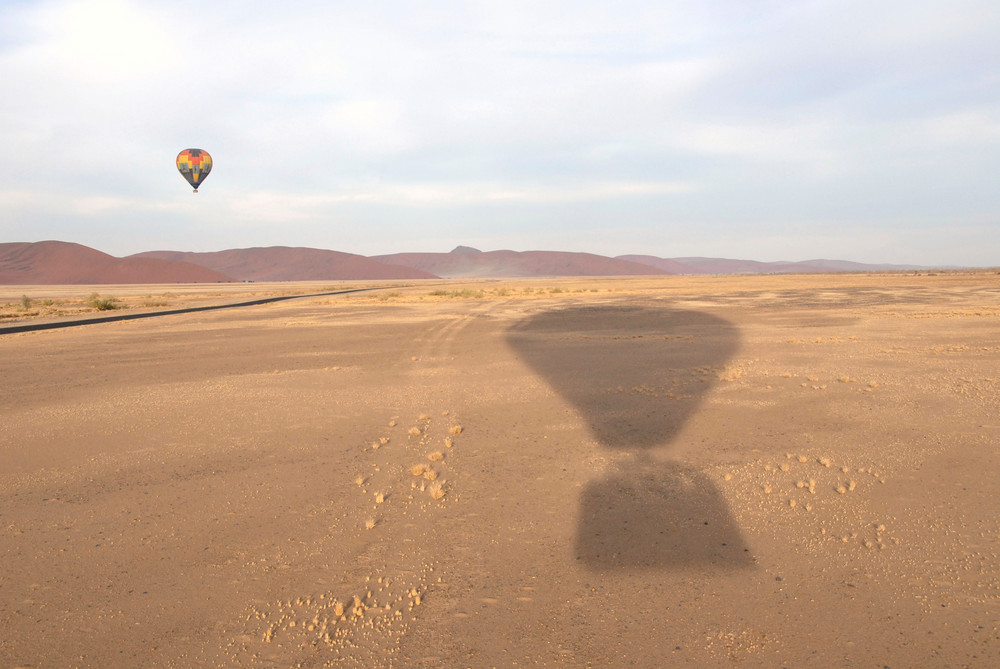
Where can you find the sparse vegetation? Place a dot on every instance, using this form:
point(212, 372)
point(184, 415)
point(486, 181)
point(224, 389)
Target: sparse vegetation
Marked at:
point(465, 293)
point(98, 303)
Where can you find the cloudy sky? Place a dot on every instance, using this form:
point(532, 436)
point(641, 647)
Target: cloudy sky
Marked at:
point(761, 129)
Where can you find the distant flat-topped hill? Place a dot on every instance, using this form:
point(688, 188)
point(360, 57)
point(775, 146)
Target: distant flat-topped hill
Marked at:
point(468, 263)
point(284, 263)
point(55, 262)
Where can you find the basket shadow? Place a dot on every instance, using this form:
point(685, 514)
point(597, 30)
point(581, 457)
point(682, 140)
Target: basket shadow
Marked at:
point(635, 374)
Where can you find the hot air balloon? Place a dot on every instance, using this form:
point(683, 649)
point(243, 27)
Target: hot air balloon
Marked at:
point(194, 165)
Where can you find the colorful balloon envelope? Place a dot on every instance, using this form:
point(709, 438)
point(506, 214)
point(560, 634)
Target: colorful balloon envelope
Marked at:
point(194, 165)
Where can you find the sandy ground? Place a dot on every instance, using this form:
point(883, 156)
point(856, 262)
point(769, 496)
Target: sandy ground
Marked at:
point(760, 471)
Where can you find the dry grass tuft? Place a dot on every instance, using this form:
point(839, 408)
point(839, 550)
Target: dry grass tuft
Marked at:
point(414, 431)
point(430, 474)
point(437, 490)
point(360, 480)
point(436, 456)
point(379, 497)
point(417, 470)
point(423, 416)
point(370, 523)
point(449, 442)
point(455, 430)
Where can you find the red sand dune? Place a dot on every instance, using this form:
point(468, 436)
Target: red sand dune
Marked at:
point(55, 262)
point(283, 263)
point(469, 263)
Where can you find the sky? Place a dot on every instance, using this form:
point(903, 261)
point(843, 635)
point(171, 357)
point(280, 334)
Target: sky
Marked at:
point(756, 129)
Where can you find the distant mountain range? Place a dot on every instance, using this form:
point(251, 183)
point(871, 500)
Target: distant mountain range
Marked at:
point(727, 266)
point(56, 262)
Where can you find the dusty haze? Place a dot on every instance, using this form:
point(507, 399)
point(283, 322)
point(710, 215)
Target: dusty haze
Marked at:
point(675, 471)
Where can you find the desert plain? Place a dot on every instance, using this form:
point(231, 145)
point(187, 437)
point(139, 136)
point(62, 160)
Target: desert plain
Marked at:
point(761, 471)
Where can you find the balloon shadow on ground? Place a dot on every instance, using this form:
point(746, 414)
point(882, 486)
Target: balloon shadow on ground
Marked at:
point(636, 373)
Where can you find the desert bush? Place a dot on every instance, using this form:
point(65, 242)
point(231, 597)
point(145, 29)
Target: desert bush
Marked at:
point(99, 303)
